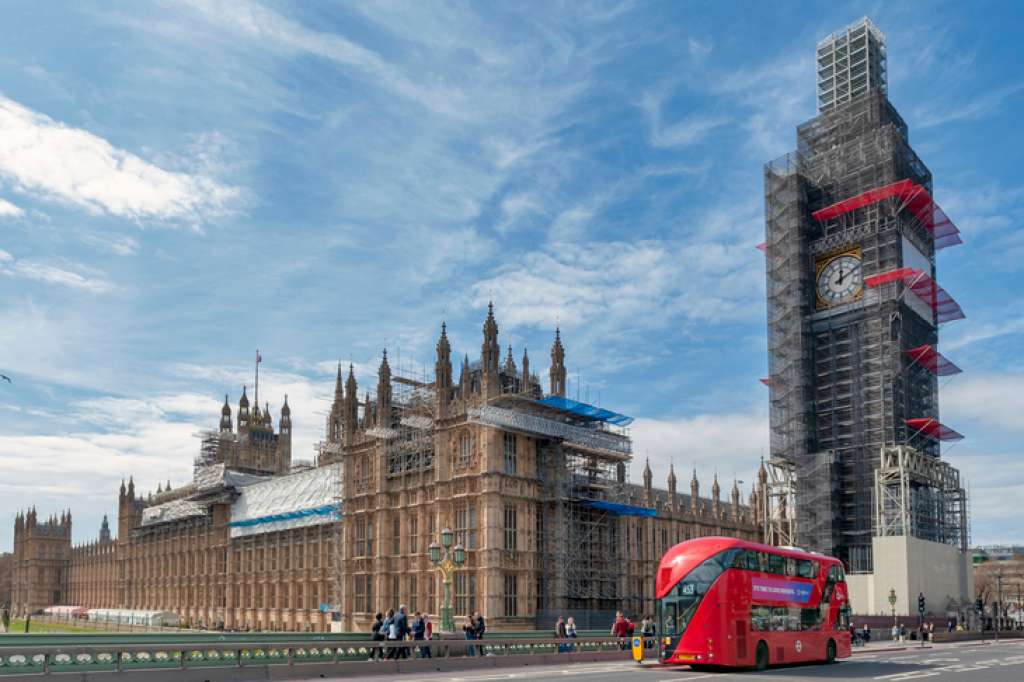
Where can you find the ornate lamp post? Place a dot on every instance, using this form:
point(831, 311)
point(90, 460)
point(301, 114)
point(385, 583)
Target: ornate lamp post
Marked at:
point(453, 558)
point(892, 604)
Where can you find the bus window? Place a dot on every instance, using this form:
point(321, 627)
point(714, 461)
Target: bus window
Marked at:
point(790, 566)
point(753, 560)
point(776, 564)
point(779, 616)
point(678, 607)
point(843, 621)
point(760, 618)
point(810, 619)
point(805, 568)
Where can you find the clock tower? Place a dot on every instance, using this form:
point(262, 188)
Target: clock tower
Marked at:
point(854, 309)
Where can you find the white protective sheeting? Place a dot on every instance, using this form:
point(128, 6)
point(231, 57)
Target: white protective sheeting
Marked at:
point(174, 510)
point(133, 617)
point(307, 498)
point(218, 476)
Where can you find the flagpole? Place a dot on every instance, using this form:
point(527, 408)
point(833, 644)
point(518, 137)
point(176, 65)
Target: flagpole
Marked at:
point(257, 395)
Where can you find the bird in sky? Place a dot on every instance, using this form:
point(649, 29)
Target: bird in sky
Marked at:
point(5, 378)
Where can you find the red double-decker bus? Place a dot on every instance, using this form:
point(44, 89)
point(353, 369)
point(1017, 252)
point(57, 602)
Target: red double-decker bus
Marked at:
point(728, 602)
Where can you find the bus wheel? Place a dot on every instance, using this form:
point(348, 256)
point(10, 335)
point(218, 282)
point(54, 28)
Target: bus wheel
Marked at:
point(761, 658)
point(830, 651)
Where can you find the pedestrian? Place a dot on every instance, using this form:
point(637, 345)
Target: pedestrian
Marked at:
point(560, 634)
point(481, 628)
point(469, 627)
point(949, 625)
point(867, 634)
point(570, 632)
point(391, 632)
point(895, 632)
point(620, 629)
point(647, 631)
point(903, 632)
point(419, 634)
point(377, 635)
point(402, 626)
point(428, 632)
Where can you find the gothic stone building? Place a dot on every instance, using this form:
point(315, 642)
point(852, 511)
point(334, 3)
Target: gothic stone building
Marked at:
point(533, 485)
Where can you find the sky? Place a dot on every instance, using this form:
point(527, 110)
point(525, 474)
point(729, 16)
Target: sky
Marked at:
point(182, 183)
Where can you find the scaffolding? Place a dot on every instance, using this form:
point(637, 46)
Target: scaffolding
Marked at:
point(849, 378)
point(920, 496)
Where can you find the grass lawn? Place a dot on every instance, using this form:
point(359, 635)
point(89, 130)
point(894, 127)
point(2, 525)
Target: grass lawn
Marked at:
point(18, 627)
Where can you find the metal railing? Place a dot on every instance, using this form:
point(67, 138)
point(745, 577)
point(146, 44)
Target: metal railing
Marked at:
point(26, 658)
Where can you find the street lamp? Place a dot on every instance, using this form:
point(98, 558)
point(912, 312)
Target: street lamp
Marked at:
point(446, 563)
point(892, 604)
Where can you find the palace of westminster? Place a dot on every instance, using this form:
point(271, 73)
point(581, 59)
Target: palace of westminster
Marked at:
point(532, 484)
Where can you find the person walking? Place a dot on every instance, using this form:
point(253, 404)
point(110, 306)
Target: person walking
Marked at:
point(560, 634)
point(469, 628)
point(895, 633)
point(620, 629)
point(419, 634)
point(481, 628)
point(403, 630)
point(647, 631)
point(391, 632)
point(377, 635)
point(570, 631)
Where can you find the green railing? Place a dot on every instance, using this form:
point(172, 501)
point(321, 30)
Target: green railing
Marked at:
point(32, 656)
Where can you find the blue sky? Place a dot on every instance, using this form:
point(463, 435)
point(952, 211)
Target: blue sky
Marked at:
point(181, 183)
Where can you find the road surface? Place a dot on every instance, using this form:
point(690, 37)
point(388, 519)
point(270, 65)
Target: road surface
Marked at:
point(974, 662)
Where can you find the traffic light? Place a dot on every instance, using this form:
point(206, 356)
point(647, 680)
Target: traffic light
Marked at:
point(979, 606)
point(920, 603)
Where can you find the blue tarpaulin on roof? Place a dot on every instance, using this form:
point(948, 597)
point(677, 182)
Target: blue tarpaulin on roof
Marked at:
point(586, 411)
point(620, 509)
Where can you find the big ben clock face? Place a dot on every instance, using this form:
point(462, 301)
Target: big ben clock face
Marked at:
point(839, 279)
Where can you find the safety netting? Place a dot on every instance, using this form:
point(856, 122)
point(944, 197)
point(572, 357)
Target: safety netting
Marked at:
point(588, 412)
point(308, 498)
point(924, 287)
point(932, 360)
point(619, 509)
point(933, 429)
point(914, 198)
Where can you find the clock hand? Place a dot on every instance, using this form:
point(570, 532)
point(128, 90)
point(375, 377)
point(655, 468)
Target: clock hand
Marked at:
point(841, 273)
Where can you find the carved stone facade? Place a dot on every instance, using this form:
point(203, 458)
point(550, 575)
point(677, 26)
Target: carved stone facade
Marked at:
point(40, 561)
point(6, 579)
point(533, 486)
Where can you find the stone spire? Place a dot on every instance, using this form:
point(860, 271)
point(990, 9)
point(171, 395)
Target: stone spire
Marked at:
point(694, 492)
point(105, 530)
point(384, 392)
point(524, 386)
point(716, 490)
point(243, 412)
point(734, 498)
point(443, 373)
point(490, 356)
point(225, 416)
point(510, 363)
point(648, 477)
point(350, 412)
point(557, 372)
point(672, 485)
point(285, 425)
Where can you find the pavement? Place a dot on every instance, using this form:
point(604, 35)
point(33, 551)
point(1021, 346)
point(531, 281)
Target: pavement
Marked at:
point(974, 662)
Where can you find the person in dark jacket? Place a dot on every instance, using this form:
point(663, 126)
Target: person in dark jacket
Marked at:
point(403, 629)
point(469, 628)
point(377, 635)
point(419, 633)
point(560, 634)
point(481, 628)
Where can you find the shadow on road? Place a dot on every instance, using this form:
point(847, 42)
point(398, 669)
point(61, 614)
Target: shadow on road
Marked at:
point(845, 670)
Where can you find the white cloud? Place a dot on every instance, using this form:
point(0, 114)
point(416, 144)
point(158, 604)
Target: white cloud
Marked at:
point(266, 25)
point(48, 273)
point(44, 157)
point(117, 244)
point(983, 332)
point(684, 132)
point(639, 284)
point(989, 400)
point(727, 444)
point(967, 108)
point(9, 210)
